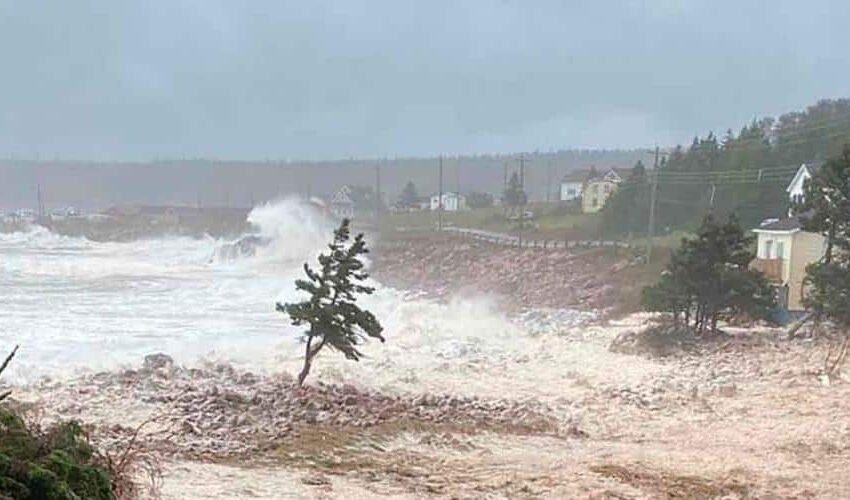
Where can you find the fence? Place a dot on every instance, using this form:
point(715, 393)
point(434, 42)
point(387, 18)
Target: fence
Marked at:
point(514, 241)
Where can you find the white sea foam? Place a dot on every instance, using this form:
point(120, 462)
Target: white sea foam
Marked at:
point(74, 305)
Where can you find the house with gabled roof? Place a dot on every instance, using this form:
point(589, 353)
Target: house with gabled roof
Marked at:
point(342, 205)
point(598, 189)
point(785, 249)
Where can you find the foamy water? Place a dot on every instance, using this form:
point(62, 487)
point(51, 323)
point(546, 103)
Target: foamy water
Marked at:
point(75, 305)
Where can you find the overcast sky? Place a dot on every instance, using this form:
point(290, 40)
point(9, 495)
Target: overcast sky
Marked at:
point(313, 79)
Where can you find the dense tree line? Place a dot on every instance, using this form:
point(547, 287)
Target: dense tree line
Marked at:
point(743, 173)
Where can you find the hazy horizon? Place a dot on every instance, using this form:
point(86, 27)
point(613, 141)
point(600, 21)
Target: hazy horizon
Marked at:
point(109, 81)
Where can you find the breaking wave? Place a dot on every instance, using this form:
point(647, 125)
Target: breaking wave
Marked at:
point(75, 305)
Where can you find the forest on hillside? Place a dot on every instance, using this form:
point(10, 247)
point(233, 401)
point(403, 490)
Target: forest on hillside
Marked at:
point(744, 173)
point(215, 183)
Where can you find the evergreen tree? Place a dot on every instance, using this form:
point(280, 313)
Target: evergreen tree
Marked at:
point(479, 200)
point(621, 213)
point(514, 195)
point(745, 174)
point(409, 196)
point(825, 207)
point(331, 313)
point(826, 210)
point(708, 279)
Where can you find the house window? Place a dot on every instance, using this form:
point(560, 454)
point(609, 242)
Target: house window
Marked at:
point(594, 202)
point(780, 250)
point(571, 192)
point(768, 247)
point(607, 188)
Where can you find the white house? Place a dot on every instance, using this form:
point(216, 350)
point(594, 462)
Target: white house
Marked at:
point(572, 185)
point(452, 202)
point(795, 188)
point(342, 205)
point(784, 249)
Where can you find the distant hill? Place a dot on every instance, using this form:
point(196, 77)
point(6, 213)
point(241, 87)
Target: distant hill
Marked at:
point(96, 186)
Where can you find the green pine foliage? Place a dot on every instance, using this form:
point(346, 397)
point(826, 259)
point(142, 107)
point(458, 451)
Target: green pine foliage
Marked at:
point(409, 197)
point(743, 174)
point(709, 279)
point(621, 213)
point(331, 313)
point(825, 209)
point(514, 195)
point(54, 464)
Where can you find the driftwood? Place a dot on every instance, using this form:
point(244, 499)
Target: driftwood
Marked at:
point(835, 357)
point(795, 327)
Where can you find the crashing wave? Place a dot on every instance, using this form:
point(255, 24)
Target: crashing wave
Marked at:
point(244, 247)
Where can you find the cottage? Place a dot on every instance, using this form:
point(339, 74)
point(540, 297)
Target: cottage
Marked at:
point(784, 249)
point(572, 185)
point(597, 190)
point(795, 187)
point(342, 205)
point(452, 202)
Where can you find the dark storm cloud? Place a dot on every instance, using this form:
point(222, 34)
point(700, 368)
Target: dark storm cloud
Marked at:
point(320, 79)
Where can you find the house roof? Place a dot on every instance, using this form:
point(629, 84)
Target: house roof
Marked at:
point(805, 168)
point(619, 174)
point(576, 176)
point(342, 197)
point(449, 194)
point(788, 224)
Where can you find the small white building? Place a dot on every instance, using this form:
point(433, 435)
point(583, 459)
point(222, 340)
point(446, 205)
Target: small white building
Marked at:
point(452, 202)
point(785, 249)
point(342, 205)
point(795, 187)
point(25, 214)
point(572, 185)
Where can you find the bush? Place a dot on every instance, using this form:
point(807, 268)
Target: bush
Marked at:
point(55, 464)
point(708, 279)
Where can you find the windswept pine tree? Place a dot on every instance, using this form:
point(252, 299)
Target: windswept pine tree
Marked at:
point(709, 279)
point(330, 313)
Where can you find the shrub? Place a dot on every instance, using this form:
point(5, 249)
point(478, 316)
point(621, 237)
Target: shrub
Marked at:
point(53, 464)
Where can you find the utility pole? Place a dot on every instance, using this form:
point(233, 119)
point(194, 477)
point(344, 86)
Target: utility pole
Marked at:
point(523, 197)
point(440, 197)
point(711, 202)
point(378, 196)
point(548, 180)
point(40, 202)
point(457, 179)
point(652, 200)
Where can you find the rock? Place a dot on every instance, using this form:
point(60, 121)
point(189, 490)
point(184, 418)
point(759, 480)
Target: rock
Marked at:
point(316, 480)
point(727, 390)
point(158, 361)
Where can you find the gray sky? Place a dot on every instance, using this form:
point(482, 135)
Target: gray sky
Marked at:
point(316, 79)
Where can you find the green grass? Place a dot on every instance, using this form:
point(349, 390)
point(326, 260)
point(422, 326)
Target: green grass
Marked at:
point(549, 222)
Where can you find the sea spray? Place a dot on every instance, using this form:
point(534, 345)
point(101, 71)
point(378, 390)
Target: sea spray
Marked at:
point(76, 305)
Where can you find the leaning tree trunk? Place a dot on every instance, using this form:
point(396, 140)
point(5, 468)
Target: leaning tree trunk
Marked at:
point(309, 354)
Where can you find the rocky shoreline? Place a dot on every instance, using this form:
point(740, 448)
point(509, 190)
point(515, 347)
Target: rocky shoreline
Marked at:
point(521, 277)
point(218, 412)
